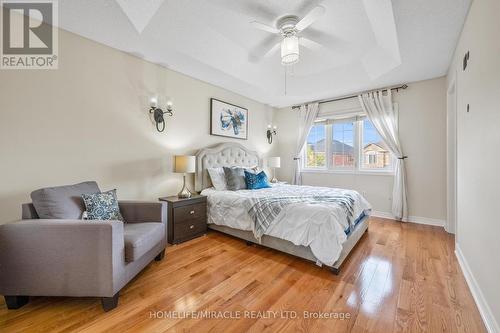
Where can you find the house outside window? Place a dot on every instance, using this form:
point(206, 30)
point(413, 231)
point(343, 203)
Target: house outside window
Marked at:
point(376, 156)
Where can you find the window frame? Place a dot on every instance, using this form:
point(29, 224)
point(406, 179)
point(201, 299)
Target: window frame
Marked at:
point(358, 150)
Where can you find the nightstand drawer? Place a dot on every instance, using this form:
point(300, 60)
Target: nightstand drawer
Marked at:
point(189, 229)
point(190, 212)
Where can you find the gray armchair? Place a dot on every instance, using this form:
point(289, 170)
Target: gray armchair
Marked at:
point(70, 257)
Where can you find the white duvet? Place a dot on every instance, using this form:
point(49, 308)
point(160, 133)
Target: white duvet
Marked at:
point(319, 226)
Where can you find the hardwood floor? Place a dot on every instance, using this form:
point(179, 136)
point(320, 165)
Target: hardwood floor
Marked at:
point(401, 277)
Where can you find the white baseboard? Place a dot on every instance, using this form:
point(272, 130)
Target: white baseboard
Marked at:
point(383, 215)
point(484, 309)
point(426, 220)
point(412, 219)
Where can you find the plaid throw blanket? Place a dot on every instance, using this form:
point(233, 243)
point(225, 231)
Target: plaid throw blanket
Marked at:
point(264, 211)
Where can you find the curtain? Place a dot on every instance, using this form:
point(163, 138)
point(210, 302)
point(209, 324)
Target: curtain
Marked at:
point(380, 111)
point(307, 115)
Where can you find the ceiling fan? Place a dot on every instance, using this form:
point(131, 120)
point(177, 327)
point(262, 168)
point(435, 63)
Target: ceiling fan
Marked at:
point(289, 27)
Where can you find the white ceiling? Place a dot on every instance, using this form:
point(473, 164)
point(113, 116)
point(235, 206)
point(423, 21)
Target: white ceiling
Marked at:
point(366, 43)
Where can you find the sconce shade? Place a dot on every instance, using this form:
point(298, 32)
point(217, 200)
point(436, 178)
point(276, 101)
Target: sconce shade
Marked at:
point(274, 162)
point(185, 164)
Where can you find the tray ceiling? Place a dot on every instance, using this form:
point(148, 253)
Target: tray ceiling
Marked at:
point(364, 43)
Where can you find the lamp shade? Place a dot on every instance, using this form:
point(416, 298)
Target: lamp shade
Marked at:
point(185, 164)
point(290, 50)
point(274, 162)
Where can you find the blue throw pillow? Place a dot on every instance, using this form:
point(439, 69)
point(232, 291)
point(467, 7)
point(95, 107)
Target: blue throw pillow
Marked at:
point(256, 181)
point(102, 206)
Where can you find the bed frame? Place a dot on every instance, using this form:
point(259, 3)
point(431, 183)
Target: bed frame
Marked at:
point(234, 154)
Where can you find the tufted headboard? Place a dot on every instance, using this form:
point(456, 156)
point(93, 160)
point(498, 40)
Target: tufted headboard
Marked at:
point(223, 154)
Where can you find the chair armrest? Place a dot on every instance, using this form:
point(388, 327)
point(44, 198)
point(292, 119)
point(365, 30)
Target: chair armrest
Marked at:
point(140, 211)
point(61, 258)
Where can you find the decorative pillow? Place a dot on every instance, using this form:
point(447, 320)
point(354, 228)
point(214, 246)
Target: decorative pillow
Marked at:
point(218, 178)
point(235, 178)
point(254, 169)
point(256, 181)
point(102, 206)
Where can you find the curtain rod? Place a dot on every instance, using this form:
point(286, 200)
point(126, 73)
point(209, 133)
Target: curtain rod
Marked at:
point(404, 86)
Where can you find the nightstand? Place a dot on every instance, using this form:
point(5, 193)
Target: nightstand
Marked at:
point(187, 218)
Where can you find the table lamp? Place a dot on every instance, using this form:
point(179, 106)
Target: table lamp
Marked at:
point(185, 164)
point(274, 162)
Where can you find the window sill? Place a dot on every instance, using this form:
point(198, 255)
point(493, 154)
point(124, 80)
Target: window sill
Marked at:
point(349, 172)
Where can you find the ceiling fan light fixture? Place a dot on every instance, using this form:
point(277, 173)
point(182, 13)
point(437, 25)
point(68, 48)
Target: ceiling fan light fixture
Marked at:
point(290, 50)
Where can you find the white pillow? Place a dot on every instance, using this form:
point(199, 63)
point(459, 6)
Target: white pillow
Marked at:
point(218, 178)
point(255, 169)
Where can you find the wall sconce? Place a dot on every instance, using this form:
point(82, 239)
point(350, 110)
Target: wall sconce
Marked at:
point(271, 130)
point(159, 113)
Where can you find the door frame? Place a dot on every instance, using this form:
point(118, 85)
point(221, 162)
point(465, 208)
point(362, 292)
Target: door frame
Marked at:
point(451, 156)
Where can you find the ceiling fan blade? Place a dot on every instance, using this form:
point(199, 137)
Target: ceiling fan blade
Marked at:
point(265, 27)
point(272, 50)
point(326, 40)
point(310, 44)
point(265, 48)
point(312, 16)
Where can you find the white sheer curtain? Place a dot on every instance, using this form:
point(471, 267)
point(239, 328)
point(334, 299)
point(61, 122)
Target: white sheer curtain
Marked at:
point(307, 115)
point(380, 111)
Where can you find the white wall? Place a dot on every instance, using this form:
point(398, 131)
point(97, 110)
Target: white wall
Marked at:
point(478, 135)
point(422, 125)
point(89, 120)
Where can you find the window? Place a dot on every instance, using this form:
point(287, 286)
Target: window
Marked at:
point(346, 145)
point(343, 145)
point(316, 147)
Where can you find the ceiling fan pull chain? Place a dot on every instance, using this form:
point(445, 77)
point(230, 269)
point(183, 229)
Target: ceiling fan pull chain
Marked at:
point(285, 79)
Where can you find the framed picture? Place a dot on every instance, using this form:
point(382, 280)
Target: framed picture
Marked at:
point(228, 120)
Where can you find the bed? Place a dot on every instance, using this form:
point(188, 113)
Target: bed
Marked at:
point(323, 230)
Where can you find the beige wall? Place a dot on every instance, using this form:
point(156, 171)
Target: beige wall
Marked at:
point(89, 120)
point(478, 135)
point(422, 125)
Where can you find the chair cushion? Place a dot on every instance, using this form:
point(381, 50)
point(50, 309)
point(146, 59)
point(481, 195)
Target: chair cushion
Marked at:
point(62, 202)
point(140, 238)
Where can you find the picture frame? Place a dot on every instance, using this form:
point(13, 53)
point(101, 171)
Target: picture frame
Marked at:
point(228, 120)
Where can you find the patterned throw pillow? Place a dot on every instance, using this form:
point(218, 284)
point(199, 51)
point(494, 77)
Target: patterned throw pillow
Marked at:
point(218, 178)
point(102, 206)
point(256, 181)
